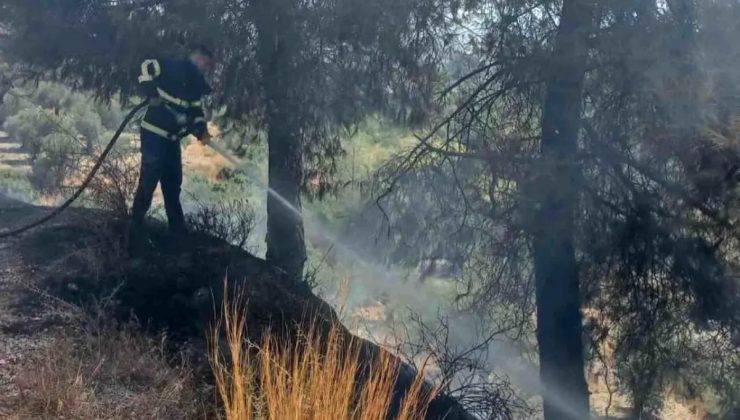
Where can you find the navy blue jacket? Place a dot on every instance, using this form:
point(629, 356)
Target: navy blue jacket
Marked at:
point(181, 87)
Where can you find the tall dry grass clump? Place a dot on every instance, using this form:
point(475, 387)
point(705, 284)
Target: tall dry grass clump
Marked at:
point(314, 376)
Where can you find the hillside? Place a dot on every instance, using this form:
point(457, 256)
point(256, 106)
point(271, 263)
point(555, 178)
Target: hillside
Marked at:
point(76, 260)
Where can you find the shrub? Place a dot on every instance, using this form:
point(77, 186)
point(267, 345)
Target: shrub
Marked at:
point(54, 164)
point(61, 130)
point(29, 126)
point(231, 221)
point(115, 185)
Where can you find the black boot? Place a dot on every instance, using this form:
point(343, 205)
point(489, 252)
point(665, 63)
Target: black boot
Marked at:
point(177, 240)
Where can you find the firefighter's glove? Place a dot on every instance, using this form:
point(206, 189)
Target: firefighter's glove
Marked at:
point(205, 139)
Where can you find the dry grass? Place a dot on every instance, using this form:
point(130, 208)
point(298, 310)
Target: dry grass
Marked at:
point(313, 377)
point(203, 161)
point(116, 374)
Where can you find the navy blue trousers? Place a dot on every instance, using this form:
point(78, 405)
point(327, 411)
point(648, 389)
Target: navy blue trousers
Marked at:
point(161, 163)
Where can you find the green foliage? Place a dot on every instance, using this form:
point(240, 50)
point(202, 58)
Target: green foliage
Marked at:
point(245, 141)
point(85, 123)
point(16, 185)
point(57, 161)
point(57, 127)
point(110, 114)
point(29, 126)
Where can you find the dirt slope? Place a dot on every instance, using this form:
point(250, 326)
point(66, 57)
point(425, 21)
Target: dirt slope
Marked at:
point(78, 258)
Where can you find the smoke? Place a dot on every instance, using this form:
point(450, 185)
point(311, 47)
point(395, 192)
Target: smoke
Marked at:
point(502, 357)
point(9, 194)
point(399, 290)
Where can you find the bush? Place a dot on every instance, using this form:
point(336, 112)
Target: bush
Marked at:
point(115, 185)
point(60, 129)
point(231, 221)
point(87, 124)
point(52, 96)
point(55, 163)
point(110, 114)
point(16, 185)
point(29, 127)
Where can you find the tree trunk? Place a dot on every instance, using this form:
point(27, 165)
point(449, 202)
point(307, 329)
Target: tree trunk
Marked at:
point(286, 248)
point(559, 330)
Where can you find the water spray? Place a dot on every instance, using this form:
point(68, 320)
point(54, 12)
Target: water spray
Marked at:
point(321, 230)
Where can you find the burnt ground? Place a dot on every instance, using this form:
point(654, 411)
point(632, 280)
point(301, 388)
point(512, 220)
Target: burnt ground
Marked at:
point(78, 262)
point(28, 320)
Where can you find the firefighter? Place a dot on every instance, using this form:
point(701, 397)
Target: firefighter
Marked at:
point(175, 90)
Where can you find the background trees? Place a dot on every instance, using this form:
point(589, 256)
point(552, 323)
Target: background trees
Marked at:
point(652, 223)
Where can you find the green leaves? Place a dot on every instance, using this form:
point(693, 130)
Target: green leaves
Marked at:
point(56, 127)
